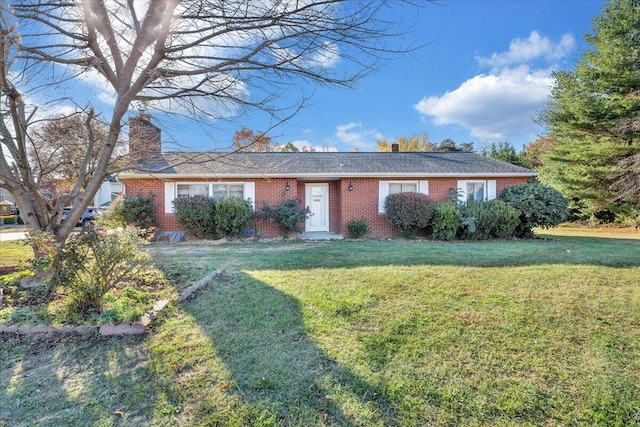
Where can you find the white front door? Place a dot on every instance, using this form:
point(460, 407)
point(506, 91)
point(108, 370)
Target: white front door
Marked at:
point(317, 196)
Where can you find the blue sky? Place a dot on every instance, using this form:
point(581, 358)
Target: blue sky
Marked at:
point(482, 76)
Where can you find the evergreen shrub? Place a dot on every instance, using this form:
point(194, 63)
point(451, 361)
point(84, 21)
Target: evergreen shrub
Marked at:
point(539, 206)
point(446, 222)
point(138, 211)
point(288, 215)
point(232, 216)
point(358, 228)
point(409, 212)
point(488, 220)
point(197, 215)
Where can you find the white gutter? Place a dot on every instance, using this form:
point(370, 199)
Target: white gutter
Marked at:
point(329, 176)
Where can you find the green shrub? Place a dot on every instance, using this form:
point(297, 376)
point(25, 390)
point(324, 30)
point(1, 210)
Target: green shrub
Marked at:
point(409, 212)
point(232, 216)
point(138, 211)
point(358, 228)
point(197, 215)
point(539, 206)
point(446, 221)
point(14, 220)
point(487, 220)
point(288, 215)
point(92, 262)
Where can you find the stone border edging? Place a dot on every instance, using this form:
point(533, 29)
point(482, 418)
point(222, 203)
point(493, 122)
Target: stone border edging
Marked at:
point(108, 330)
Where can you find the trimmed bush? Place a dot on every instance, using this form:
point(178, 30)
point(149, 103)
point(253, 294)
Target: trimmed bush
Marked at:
point(232, 216)
point(14, 220)
point(539, 206)
point(288, 215)
point(409, 212)
point(358, 228)
point(487, 220)
point(197, 216)
point(138, 211)
point(446, 221)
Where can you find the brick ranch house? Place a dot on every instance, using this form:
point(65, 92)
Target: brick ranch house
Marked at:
point(337, 187)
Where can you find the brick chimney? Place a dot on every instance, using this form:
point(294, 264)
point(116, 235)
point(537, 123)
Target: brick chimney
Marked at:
point(395, 148)
point(144, 138)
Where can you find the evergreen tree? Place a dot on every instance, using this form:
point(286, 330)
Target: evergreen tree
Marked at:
point(593, 115)
point(506, 152)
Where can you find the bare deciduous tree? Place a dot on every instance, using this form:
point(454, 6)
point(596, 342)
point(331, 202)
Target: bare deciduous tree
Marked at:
point(59, 154)
point(199, 58)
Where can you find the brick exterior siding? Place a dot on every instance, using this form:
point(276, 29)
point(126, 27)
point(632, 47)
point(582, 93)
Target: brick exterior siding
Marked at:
point(344, 205)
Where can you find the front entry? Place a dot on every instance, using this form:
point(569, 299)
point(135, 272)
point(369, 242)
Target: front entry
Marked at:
point(317, 198)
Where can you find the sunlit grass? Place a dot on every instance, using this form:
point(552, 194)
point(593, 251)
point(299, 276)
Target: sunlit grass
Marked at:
point(569, 230)
point(15, 254)
point(360, 333)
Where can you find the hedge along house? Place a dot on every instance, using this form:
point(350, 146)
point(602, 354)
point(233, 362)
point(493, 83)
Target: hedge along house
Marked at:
point(336, 187)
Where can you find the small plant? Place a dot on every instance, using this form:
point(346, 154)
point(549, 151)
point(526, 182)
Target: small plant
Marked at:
point(197, 215)
point(446, 221)
point(358, 228)
point(88, 264)
point(409, 212)
point(539, 206)
point(288, 215)
point(232, 216)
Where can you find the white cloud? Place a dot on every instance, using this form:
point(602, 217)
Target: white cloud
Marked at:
point(493, 107)
point(325, 56)
point(502, 104)
point(522, 51)
point(354, 135)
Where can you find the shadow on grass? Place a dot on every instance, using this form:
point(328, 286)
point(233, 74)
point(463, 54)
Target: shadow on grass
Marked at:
point(278, 373)
point(75, 383)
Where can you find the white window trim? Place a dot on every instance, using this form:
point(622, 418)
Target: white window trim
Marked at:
point(383, 190)
point(489, 189)
point(171, 190)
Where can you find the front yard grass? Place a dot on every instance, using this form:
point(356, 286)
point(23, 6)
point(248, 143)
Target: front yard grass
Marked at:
point(543, 332)
point(14, 254)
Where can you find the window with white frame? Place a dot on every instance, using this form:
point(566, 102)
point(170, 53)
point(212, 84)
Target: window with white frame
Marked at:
point(172, 191)
point(403, 187)
point(476, 190)
point(393, 187)
point(192, 190)
point(227, 190)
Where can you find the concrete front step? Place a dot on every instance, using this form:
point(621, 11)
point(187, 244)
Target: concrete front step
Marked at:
point(320, 235)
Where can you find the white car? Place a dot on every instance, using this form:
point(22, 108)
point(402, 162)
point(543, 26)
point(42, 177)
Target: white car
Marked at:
point(87, 218)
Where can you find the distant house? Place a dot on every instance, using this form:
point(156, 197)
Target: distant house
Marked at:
point(5, 195)
point(110, 189)
point(337, 187)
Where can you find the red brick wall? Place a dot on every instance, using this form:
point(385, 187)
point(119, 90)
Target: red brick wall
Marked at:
point(362, 201)
point(271, 191)
point(344, 205)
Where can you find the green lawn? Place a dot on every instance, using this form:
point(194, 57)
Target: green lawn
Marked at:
point(543, 332)
point(13, 253)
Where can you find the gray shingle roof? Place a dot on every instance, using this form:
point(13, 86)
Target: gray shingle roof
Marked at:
point(328, 165)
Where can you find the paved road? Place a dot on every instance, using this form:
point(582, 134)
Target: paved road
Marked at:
point(11, 236)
